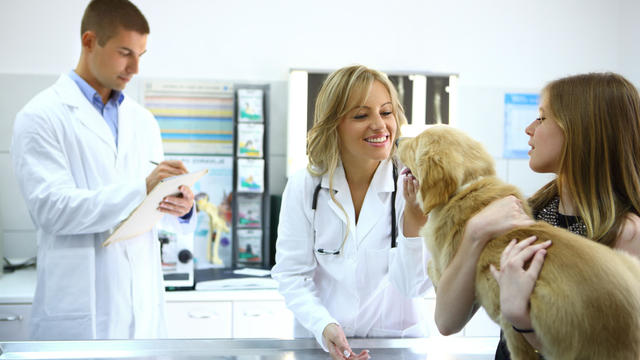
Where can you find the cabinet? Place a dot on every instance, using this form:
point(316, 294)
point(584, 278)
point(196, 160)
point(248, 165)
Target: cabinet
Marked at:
point(228, 314)
point(229, 319)
point(197, 320)
point(262, 319)
point(14, 321)
point(207, 314)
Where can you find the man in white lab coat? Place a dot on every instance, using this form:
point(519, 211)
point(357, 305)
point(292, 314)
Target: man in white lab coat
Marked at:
point(81, 151)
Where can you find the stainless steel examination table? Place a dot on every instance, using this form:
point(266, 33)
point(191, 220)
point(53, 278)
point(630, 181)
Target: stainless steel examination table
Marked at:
point(440, 348)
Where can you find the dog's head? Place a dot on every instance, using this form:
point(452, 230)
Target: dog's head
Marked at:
point(443, 159)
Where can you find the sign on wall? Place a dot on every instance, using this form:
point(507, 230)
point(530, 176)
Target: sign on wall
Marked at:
point(519, 111)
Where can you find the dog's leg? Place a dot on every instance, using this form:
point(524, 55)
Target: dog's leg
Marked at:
point(519, 347)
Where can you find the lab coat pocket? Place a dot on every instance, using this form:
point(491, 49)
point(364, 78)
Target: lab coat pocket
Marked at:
point(400, 317)
point(69, 277)
point(377, 268)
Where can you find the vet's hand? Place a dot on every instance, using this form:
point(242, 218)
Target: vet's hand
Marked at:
point(498, 217)
point(517, 283)
point(178, 205)
point(414, 219)
point(339, 348)
point(164, 170)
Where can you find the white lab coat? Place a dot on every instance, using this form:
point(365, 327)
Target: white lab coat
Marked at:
point(369, 289)
point(78, 186)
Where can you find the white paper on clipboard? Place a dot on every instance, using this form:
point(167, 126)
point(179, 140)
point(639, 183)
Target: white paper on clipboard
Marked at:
point(146, 215)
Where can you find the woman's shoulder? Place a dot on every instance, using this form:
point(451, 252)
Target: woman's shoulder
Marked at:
point(629, 235)
point(303, 179)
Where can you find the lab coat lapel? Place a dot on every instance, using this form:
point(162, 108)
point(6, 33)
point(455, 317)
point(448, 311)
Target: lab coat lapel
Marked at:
point(125, 128)
point(373, 209)
point(82, 110)
point(342, 195)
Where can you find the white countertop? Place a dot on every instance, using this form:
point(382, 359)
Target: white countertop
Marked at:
point(452, 348)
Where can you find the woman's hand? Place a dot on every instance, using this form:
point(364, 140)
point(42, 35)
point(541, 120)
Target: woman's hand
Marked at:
point(339, 348)
point(414, 219)
point(498, 217)
point(517, 283)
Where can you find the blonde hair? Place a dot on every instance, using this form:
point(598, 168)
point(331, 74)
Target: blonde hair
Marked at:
point(599, 114)
point(344, 90)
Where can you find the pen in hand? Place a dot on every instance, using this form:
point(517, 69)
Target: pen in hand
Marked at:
point(173, 167)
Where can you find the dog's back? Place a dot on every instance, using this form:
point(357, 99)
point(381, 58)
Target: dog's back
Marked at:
point(586, 302)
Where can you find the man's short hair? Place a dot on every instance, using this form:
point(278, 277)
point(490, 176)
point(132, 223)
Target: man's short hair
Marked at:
point(106, 17)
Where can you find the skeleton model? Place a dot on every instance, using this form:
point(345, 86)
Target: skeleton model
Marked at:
point(217, 225)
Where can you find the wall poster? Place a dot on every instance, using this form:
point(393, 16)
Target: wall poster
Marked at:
point(194, 118)
point(519, 111)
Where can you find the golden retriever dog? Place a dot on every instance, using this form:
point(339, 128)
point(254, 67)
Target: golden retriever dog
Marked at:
point(586, 301)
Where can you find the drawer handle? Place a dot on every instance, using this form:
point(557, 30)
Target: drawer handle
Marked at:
point(10, 317)
point(257, 314)
point(202, 315)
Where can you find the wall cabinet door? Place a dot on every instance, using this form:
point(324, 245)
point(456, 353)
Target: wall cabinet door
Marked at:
point(262, 319)
point(14, 322)
point(198, 320)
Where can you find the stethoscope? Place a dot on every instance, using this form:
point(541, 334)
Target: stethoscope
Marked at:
point(394, 227)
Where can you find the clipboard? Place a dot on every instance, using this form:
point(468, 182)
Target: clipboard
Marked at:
point(144, 217)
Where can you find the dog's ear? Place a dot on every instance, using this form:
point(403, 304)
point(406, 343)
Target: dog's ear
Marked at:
point(437, 183)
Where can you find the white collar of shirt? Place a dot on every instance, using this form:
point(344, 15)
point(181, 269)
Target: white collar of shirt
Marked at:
point(382, 179)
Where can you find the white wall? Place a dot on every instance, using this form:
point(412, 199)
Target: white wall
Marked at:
point(629, 50)
point(496, 46)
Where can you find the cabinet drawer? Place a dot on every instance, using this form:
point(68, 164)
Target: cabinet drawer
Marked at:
point(262, 319)
point(193, 320)
point(14, 322)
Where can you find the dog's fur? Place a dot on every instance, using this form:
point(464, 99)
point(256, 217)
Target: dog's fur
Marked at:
point(586, 301)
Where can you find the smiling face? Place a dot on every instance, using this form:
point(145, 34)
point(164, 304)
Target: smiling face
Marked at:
point(110, 67)
point(546, 139)
point(367, 131)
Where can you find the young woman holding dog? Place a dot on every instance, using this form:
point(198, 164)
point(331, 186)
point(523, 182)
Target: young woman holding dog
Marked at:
point(342, 266)
point(588, 133)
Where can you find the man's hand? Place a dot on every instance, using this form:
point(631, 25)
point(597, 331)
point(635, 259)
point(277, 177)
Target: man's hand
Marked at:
point(178, 205)
point(165, 169)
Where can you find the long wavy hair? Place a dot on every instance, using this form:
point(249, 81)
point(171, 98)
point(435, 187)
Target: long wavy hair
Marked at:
point(599, 114)
point(344, 90)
